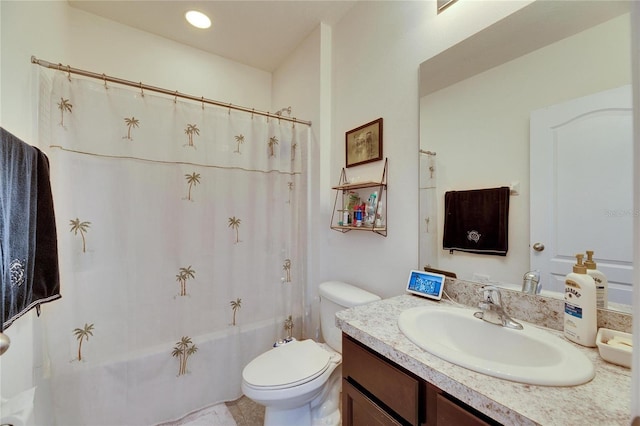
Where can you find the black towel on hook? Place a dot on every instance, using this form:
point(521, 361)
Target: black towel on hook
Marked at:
point(28, 242)
point(477, 221)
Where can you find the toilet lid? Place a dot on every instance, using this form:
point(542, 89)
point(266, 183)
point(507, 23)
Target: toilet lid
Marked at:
point(294, 363)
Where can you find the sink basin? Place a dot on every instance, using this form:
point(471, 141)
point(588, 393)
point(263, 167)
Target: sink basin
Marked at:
point(531, 355)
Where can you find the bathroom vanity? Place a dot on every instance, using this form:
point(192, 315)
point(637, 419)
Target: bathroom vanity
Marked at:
point(408, 396)
point(388, 380)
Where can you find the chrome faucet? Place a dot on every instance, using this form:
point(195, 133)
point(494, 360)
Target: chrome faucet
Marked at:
point(531, 283)
point(492, 310)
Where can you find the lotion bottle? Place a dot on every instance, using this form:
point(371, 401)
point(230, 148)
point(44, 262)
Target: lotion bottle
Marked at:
point(602, 296)
point(580, 320)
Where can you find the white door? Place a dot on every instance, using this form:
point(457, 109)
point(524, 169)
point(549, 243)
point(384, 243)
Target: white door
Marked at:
point(581, 171)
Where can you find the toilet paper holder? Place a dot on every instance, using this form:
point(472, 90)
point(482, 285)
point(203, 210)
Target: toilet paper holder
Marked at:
point(5, 342)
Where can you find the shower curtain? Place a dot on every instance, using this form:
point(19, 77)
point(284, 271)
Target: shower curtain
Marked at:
point(180, 245)
point(428, 250)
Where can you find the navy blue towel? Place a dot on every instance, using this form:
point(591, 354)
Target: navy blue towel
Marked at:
point(28, 240)
point(477, 221)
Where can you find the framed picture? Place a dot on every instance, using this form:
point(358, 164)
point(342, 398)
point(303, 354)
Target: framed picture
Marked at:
point(364, 144)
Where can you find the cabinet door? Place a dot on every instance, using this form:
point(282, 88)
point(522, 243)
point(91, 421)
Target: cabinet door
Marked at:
point(358, 410)
point(444, 410)
point(451, 414)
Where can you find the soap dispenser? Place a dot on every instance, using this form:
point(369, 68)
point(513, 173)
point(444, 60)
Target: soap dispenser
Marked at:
point(580, 314)
point(602, 284)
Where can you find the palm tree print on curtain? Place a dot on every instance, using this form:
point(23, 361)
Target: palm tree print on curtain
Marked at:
point(183, 276)
point(234, 223)
point(130, 123)
point(81, 335)
point(273, 141)
point(235, 306)
point(64, 106)
point(287, 269)
point(193, 179)
point(82, 228)
point(183, 350)
point(290, 185)
point(239, 141)
point(190, 130)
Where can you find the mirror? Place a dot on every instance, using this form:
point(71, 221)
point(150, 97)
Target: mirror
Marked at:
point(474, 119)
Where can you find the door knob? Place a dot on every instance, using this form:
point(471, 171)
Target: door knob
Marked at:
point(538, 246)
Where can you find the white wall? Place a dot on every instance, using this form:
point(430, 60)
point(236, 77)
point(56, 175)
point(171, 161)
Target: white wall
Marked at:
point(363, 68)
point(299, 83)
point(54, 31)
point(491, 148)
point(377, 49)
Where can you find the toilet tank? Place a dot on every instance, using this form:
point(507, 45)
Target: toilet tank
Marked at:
point(336, 296)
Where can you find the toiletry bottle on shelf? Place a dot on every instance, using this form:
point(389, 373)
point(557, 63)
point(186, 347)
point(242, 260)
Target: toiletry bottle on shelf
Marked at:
point(602, 296)
point(371, 208)
point(379, 218)
point(580, 314)
point(357, 214)
point(345, 217)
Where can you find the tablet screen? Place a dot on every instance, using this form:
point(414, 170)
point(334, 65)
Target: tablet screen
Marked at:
point(426, 284)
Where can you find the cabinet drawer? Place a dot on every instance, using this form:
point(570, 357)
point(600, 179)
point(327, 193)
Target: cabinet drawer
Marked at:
point(358, 409)
point(393, 387)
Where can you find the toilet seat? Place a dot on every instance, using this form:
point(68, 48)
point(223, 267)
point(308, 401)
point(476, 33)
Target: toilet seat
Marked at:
point(286, 366)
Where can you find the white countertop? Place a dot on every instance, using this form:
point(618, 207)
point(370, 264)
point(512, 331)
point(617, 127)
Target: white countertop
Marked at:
point(605, 400)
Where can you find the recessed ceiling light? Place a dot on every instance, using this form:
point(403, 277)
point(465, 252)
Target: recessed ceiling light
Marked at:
point(198, 19)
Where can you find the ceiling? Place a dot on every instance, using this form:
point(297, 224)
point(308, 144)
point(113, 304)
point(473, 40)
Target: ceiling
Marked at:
point(534, 26)
point(258, 33)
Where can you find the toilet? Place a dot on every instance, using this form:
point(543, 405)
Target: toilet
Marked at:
point(299, 382)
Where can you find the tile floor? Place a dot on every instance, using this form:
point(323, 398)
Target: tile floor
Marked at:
point(241, 412)
point(246, 412)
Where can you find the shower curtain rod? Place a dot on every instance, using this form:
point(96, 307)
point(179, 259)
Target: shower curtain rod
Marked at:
point(68, 69)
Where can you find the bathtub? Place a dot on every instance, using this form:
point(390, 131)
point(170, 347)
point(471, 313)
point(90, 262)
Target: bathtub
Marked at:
point(145, 388)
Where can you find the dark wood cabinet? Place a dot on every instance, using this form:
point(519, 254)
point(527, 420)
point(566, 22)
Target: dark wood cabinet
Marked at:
point(450, 412)
point(376, 391)
point(362, 410)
